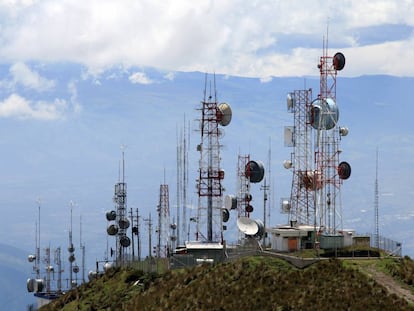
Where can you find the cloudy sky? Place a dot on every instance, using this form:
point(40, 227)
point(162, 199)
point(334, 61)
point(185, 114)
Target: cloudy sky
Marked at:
point(72, 73)
point(246, 38)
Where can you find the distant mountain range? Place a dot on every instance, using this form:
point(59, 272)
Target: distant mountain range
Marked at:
point(62, 130)
point(14, 271)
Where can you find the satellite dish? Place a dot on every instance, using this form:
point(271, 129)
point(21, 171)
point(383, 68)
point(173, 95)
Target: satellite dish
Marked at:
point(225, 215)
point(324, 114)
point(224, 114)
point(339, 61)
point(230, 202)
point(250, 227)
point(110, 215)
point(254, 170)
point(344, 170)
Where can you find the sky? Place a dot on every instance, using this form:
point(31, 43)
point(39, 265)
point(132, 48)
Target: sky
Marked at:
point(81, 78)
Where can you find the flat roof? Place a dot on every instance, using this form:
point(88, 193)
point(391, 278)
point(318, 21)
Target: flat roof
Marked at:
point(203, 245)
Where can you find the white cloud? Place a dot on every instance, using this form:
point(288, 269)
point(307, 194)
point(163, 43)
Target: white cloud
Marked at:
point(233, 37)
point(23, 75)
point(170, 76)
point(140, 78)
point(18, 107)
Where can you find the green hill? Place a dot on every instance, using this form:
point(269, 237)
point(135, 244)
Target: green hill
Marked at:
point(252, 283)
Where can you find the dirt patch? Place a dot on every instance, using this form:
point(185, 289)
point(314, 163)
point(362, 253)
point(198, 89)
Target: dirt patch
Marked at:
point(391, 285)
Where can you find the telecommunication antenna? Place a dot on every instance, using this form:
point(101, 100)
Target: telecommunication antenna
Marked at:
point(209, 188)
point(163, 247)
point(300, 205)
point(324, 114)
point(315, 138)
point(376, 204)
point(119, 216)
point(71, 248)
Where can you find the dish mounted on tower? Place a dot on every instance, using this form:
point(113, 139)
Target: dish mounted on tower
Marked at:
point(209, 187)
point(317, 173)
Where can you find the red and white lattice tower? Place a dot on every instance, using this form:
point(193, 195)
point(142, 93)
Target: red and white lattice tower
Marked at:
point(210, 191)
point(163, 248)
point(329, 173)
point(300, 207)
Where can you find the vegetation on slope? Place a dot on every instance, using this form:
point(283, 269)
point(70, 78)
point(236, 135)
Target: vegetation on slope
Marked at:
point(255, 283)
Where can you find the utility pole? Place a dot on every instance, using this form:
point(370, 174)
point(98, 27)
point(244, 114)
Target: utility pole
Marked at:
point(264, 187)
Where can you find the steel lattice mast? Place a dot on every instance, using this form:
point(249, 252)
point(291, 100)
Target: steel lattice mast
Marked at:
point(209, 188)
point(163, 223)
point(301, 209)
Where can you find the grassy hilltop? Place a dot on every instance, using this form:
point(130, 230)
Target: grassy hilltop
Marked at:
point(252, 283)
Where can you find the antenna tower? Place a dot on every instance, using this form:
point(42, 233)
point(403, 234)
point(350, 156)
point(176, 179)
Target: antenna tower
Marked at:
point(119, 216)
point(329, 173)
point(163, 248)
point(210, 190)
point(376, 203)
point(300, 206)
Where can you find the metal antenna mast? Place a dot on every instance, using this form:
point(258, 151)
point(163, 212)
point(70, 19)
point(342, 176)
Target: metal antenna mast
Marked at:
point(376, 204)
point(163, 248)
point(209, 186)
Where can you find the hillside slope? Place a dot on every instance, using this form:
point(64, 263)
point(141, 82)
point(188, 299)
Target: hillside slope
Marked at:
point(254, 283)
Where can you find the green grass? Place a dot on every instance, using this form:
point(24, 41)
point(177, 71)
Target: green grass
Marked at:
point(250, 283)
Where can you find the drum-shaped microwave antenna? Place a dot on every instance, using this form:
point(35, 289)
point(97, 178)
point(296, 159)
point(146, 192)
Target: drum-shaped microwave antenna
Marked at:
point(344, 170)
point(287, 164)
point(324, 114)
point(224, 114)
point(112, 229)
point(108, 265)
point(123, 223)
point(125, 241)
point(254, 170)
point(339, 61)
point(225, 214)
point(110, 215)
point(249, 208)
point(250, 227)
point(75, 269)
point(343, 131)
point(290, 101)
point(230, 202)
